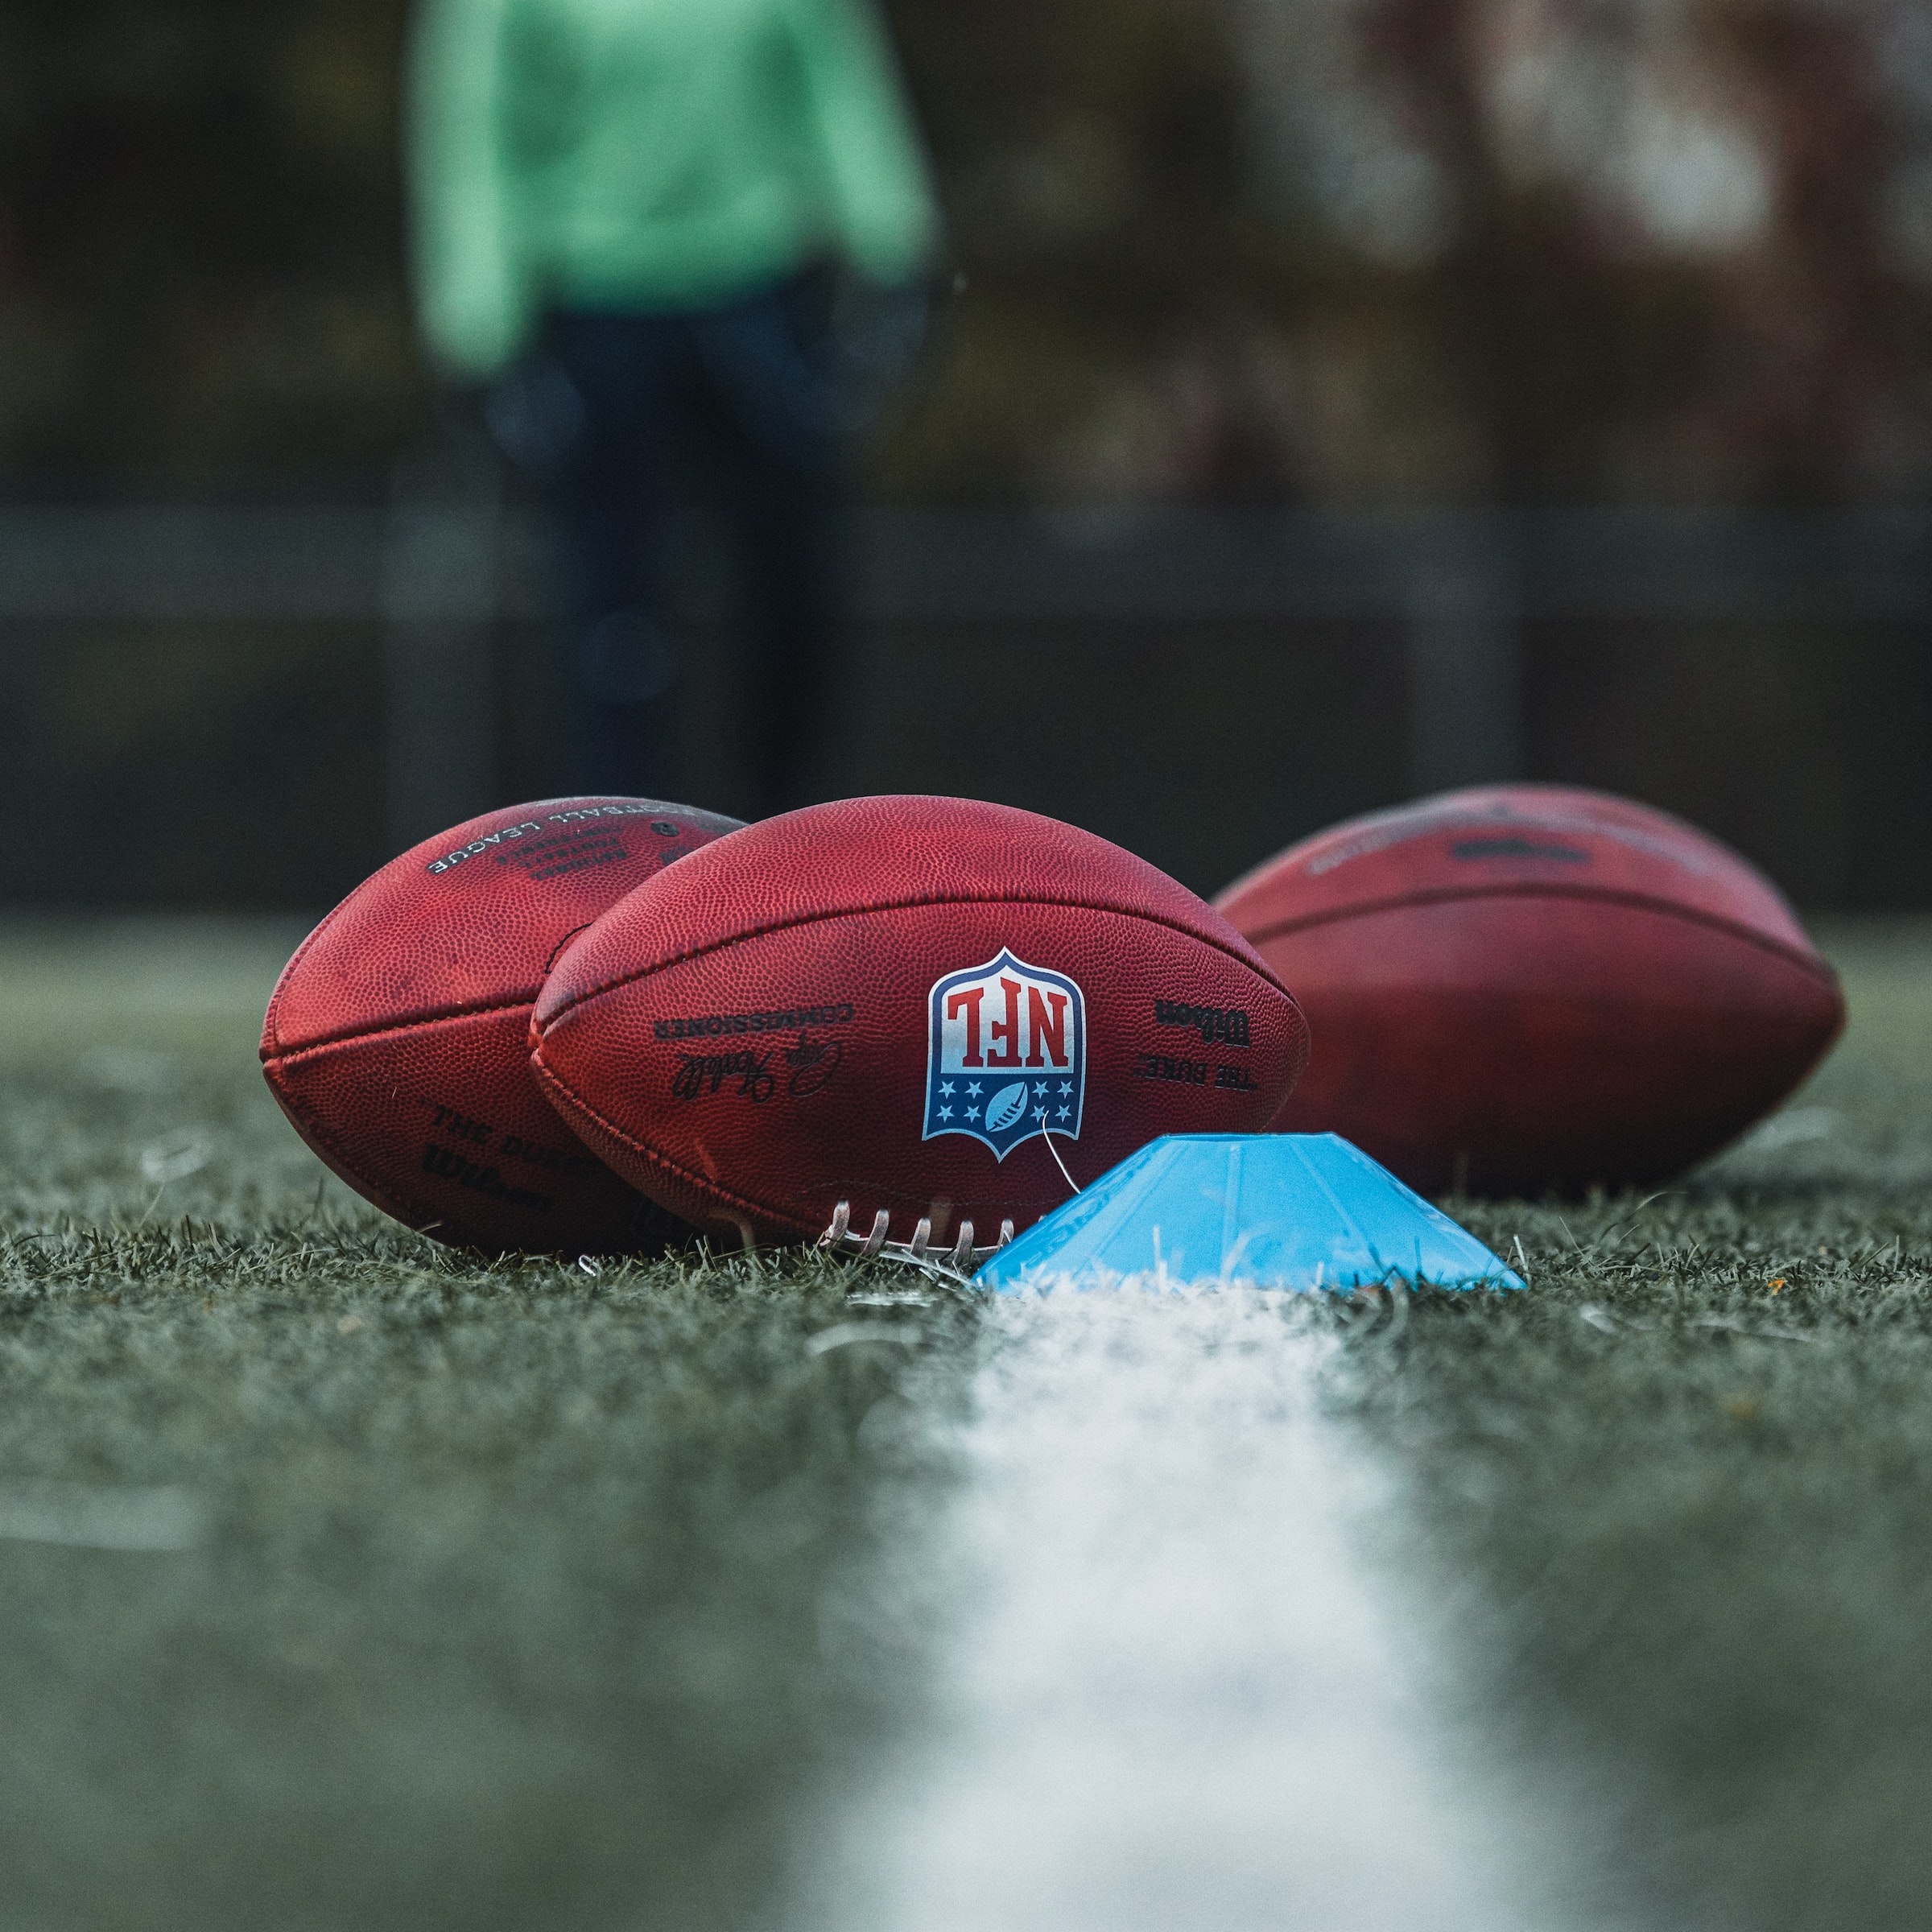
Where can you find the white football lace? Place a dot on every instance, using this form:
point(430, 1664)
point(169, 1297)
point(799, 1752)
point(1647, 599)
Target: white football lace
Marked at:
point(918, 1252)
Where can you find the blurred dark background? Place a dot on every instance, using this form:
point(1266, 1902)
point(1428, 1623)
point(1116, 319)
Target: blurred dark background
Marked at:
point(1328, 400)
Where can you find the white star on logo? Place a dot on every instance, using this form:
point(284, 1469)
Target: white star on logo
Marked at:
point(973, 1113)
point(945, 1113)
point(1066, 1086)
point(946, 1086)
point(1039, 1113)
point(1040, 1089)
point(1064, 1111)
point(972, 1086)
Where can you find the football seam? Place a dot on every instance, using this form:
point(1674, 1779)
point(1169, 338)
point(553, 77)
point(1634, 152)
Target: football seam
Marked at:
point(271, 1021)
point(1813, 965)
point(286, 1055)
point(1257, 965)
point(448, 1229)
point(1437, 816)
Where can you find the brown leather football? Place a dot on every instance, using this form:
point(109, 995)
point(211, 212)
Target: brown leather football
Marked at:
point(396, 1039)
point(1527, 989)
point(935, 1008)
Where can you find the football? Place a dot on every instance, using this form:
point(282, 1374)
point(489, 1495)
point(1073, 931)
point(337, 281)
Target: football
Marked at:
point(396, 1039)
point(932, 1007)
point(1524, 988)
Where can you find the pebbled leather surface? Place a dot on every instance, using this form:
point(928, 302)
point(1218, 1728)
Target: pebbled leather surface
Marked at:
point(396, 1040)
point(745, 1037)
point(1501, 838)
point(1529, 989)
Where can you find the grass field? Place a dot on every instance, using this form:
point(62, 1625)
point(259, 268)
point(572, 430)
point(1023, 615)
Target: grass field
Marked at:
point(1693, 1473)
point(510, 1602)
point(346, 1583)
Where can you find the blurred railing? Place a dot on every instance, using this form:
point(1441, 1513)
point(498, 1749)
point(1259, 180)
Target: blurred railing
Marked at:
point(434, 572)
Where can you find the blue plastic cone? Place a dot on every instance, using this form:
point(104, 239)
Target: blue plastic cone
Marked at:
point(1302, 1211)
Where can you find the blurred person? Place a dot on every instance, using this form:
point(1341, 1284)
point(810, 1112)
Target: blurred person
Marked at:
point(628, 216)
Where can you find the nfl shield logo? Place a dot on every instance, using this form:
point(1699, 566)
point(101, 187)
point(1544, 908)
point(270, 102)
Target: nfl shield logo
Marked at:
point(1006, 1054)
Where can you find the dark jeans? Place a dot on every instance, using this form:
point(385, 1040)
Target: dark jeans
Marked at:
point(659, 410)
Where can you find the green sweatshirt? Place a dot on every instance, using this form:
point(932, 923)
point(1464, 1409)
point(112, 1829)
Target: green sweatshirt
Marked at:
point(648, 155)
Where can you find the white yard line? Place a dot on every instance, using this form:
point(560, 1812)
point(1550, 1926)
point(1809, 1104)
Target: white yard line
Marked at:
point(1176, 1693)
